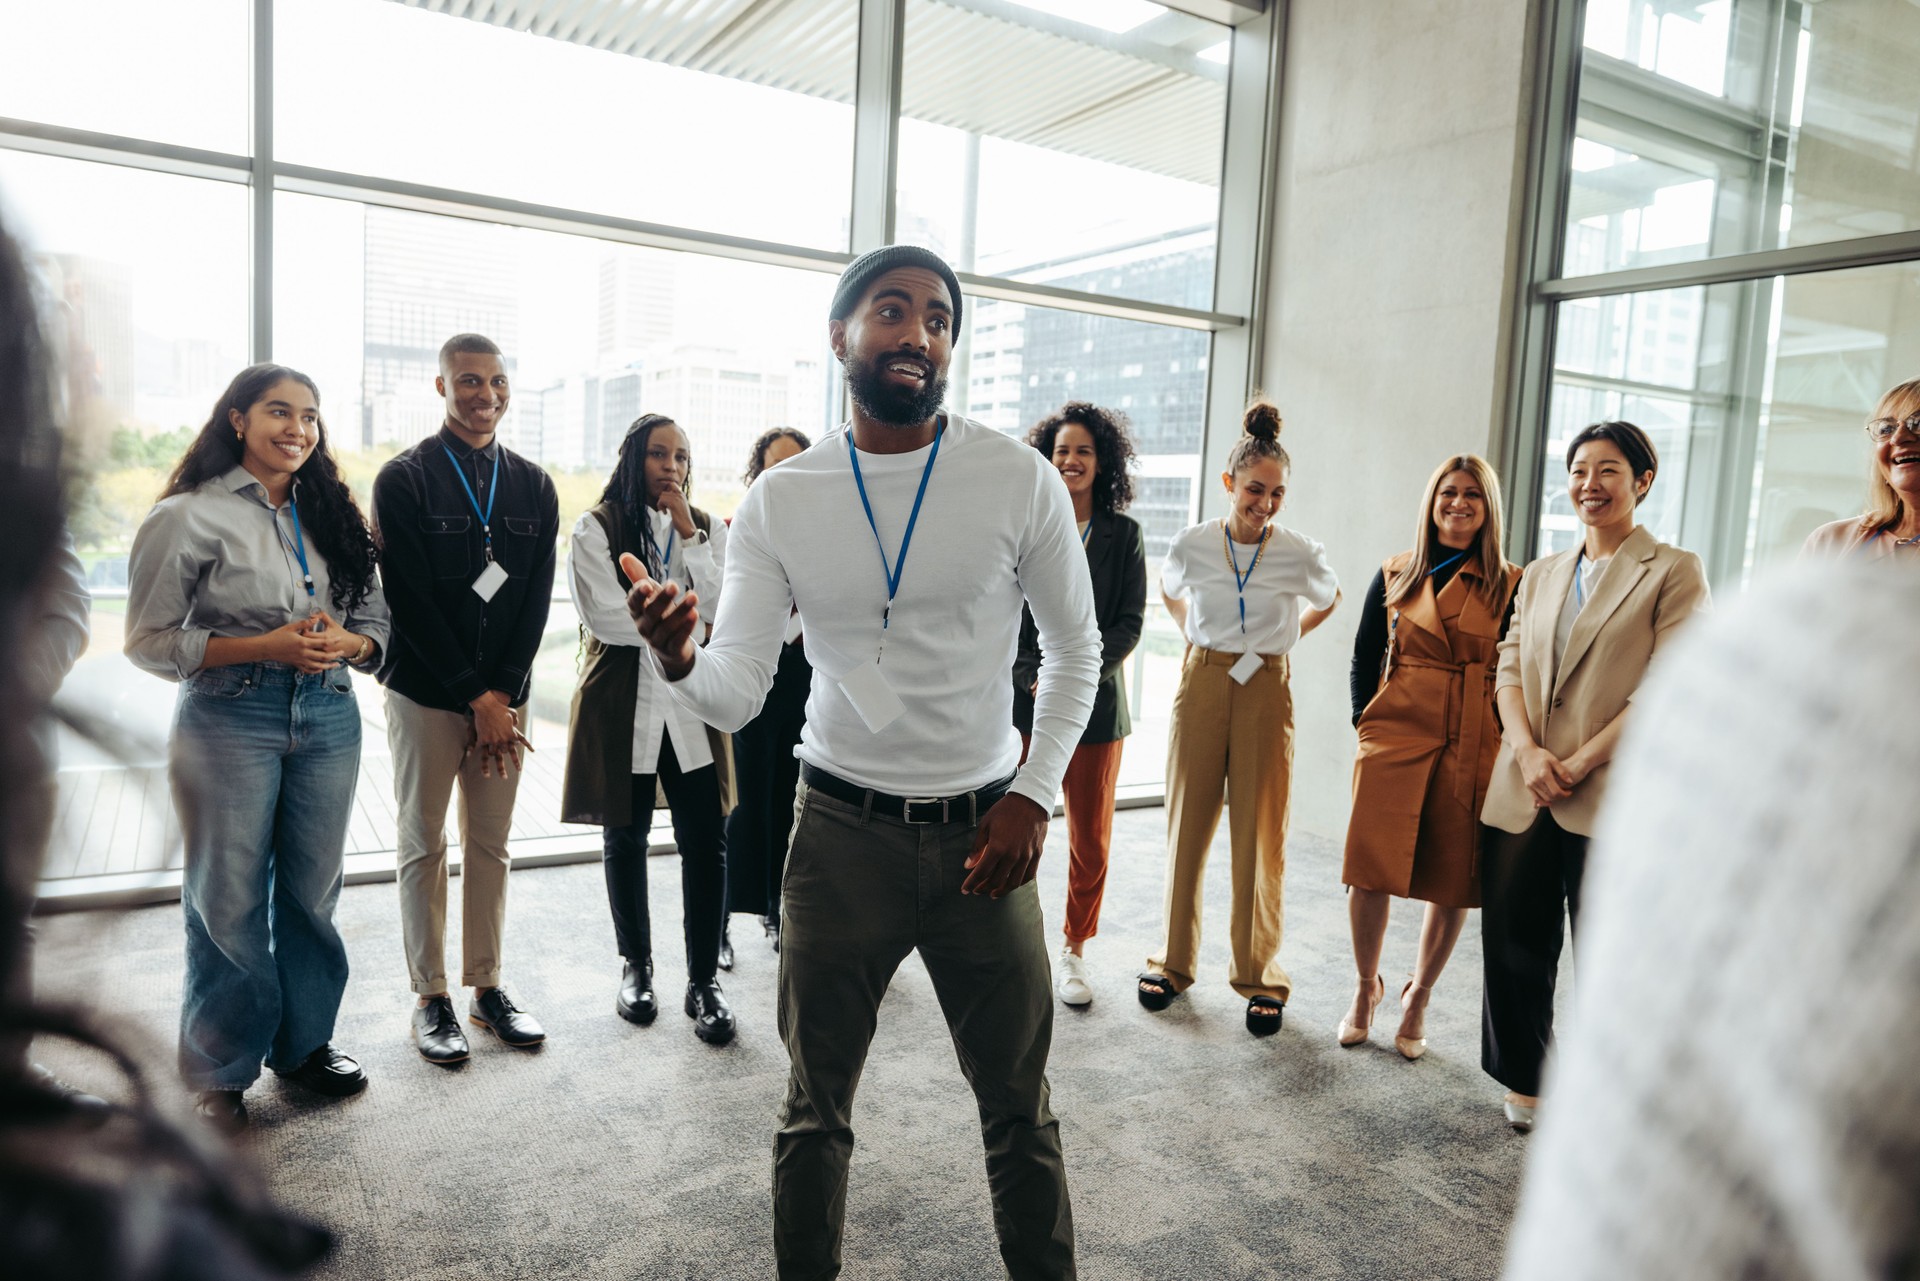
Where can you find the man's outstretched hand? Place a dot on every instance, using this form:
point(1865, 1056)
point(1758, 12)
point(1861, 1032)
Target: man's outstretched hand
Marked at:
point(1006, 847)
point(665, 615)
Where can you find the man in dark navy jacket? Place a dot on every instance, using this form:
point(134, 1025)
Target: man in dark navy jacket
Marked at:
point(466, 530)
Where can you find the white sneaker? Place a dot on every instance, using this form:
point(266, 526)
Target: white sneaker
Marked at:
point(1071, 986)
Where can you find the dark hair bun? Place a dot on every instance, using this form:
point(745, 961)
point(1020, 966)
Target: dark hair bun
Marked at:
point(1262, 421)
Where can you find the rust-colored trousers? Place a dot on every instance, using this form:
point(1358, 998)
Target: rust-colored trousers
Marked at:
point(1093, 775)
point(1231, 743)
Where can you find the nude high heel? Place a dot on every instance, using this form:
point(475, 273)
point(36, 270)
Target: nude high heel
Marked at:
point(1411, 1047)
point(1351, 1035)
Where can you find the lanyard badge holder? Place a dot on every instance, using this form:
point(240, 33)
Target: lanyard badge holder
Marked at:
point(493, 577)
point(1250, 662)
point(865, 686)
point(300, 551)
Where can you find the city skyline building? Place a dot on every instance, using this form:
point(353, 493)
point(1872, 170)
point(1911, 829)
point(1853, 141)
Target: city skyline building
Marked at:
point(427, 279)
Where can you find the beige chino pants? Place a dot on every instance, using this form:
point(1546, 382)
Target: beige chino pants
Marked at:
point(430, 754)
point(1231, 743)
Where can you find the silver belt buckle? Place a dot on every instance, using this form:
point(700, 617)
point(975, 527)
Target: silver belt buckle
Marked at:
point(906, 812)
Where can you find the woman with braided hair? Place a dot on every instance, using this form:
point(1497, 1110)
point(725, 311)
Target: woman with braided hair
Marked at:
point(1244, 591)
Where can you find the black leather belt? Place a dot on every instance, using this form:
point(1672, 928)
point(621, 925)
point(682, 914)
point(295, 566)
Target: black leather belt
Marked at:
point(921, 811)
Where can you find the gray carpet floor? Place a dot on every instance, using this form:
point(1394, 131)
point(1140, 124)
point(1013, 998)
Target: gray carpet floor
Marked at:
point(1194, 1150)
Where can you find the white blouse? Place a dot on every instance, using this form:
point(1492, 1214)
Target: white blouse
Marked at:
point(601, 597)
point(1292, 569)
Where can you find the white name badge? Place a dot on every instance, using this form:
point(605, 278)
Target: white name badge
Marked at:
point(1243, 670)
point(867, 689)
point(491, 579)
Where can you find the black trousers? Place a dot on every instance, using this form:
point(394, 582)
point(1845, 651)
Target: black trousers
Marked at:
point(768, 774)
point(693, 797)
point(1529, 884)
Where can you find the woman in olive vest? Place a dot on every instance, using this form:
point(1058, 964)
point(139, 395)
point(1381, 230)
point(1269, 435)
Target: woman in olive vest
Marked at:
point(628, 736)
point(1422, 686)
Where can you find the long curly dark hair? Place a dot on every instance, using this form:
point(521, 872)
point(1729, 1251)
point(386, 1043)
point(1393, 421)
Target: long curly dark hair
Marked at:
point(331, 518)
point(627, 487)
point(1112, 449)
point(757, 460)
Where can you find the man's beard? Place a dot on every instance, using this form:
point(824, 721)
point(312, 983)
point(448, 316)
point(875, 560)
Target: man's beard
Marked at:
point(894, 406)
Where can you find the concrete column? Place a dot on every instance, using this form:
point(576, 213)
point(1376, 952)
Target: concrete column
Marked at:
point(1402, 159)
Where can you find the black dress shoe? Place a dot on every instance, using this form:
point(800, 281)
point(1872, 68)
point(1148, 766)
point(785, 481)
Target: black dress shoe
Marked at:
point(514, 1026)
point(726, 947)
point(224, 1110)
point(327, 1071)
point(436, 1031)
point(712, 1016)
point(636, 1002)
point(772, 924)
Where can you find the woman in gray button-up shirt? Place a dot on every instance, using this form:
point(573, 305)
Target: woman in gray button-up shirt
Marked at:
point(252, 583)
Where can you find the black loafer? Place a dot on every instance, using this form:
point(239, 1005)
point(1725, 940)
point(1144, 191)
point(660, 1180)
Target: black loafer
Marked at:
point(224, 1110)
point(772, 925)
point(327, 1071)
point(726, 948)
point(712, 1016)
point(636, 1002)
point(437, 1034)
point(493, 1011)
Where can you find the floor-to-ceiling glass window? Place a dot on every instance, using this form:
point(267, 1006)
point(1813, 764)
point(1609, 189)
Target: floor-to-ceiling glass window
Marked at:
point(646, 204)
point(1738, 251)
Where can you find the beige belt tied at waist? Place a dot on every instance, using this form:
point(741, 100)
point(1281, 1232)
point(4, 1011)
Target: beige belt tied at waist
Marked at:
point(1466, 782)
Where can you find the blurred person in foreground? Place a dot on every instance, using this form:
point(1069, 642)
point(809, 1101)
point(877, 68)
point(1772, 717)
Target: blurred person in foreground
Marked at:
point(1736, 1096)
point(1890, 527)
point(138, 1198)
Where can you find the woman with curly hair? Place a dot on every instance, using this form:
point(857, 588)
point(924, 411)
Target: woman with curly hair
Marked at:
point(764, 766)
point(234, 582)
point(1091, 449)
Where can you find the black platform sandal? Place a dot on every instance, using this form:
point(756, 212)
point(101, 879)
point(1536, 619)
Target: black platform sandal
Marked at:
point(1259, 1021)
point(1156, 991)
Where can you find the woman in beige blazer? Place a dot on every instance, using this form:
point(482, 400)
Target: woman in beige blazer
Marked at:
point(1586, 625)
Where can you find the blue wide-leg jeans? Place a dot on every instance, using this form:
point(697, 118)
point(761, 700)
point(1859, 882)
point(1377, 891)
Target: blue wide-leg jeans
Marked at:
point(263, 765)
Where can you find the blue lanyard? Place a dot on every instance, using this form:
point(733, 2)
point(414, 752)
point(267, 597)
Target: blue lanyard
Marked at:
point(1579, 583)
point(1240, 580)
point(493, 492)
point(1443, 564)
point(300, 544)
point(899, 566)
point(666, 557)
point(1086, 533)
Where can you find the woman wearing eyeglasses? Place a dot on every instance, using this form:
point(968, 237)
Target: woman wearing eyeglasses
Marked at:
point(1890, 526)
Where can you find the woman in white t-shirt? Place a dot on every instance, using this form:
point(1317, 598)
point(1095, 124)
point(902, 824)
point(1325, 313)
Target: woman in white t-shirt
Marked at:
point(1244, 591)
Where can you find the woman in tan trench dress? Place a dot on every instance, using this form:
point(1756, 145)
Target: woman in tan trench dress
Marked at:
point(1422, 686)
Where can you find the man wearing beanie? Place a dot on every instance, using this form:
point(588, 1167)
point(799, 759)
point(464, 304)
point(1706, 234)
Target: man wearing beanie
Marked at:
point(908, 540)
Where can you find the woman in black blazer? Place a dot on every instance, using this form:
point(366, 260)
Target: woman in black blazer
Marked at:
point(1091, 448)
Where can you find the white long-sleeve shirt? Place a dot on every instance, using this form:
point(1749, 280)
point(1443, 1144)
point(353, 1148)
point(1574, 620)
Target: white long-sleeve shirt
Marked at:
point(996, 526)
point(1292, 569)
point(600, 595)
